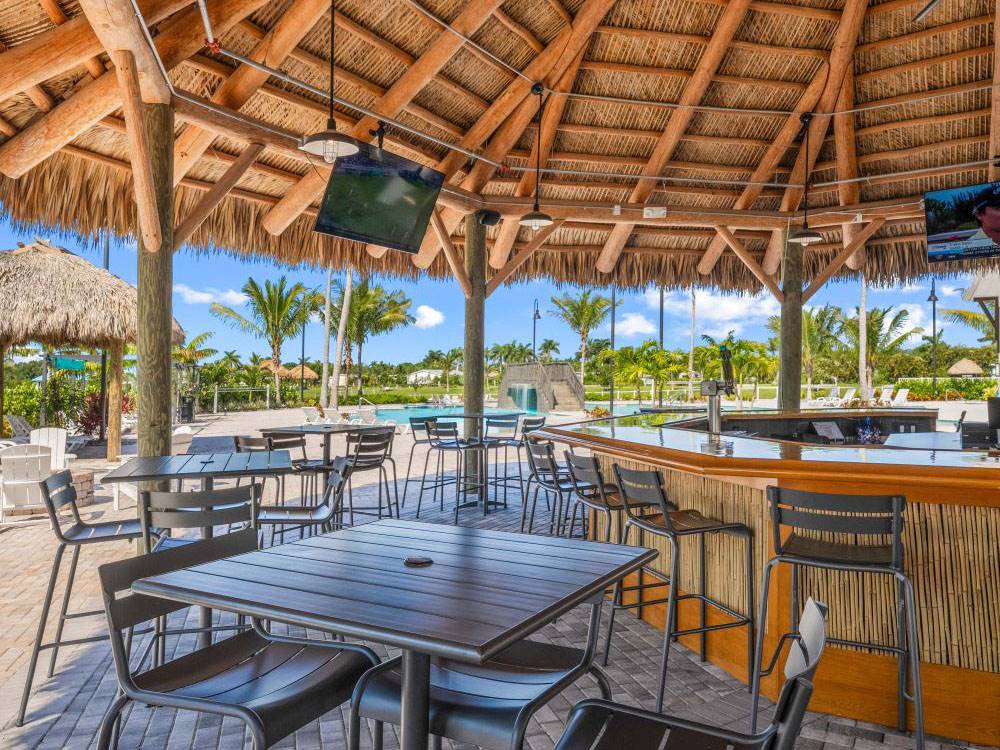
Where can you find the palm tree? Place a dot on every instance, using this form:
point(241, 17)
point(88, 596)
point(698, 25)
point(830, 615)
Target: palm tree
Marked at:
point(977, 321)
point(750, 360)
point(886, 334)
point(583, 314)
point(820, 335)
point(448, 361)
point(192, 352)
point(230, 360)
point(276, 312)
point(548, 350)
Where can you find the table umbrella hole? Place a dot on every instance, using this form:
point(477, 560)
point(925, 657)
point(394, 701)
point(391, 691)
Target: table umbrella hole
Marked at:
point(418, 562)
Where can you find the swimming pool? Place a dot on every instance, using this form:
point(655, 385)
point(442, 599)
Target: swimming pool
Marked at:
point(401, 414)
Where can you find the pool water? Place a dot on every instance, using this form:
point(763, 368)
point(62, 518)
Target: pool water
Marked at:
point(401, 414)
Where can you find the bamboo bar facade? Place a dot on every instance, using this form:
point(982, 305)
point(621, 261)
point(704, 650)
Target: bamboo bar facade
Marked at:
point(952, 524)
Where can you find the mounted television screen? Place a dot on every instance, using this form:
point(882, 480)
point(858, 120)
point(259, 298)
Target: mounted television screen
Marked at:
point(963, 223)
point(378, 197)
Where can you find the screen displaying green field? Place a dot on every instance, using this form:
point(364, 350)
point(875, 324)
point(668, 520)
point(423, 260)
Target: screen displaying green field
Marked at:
point(381, 198)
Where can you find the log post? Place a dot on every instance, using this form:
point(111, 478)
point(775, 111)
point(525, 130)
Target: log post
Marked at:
point(155, 319)
point(114, 445)
point(474, 362)
point(790, 366)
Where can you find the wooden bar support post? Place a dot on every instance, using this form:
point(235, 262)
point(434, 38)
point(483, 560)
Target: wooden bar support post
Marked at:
point(114, 436)
point(474, 363)
point(790, 364)
point(155, 318)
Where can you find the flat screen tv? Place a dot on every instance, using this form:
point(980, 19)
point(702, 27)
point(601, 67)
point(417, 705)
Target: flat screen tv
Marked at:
point(379, 197)
point(963, 223)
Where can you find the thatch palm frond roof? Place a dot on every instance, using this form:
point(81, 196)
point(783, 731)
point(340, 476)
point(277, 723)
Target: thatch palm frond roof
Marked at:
point(51, 296)
point(305, 372)
point(965, 368)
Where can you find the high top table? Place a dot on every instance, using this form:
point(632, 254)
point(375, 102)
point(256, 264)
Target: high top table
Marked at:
point(327, 431)
point(483, 591)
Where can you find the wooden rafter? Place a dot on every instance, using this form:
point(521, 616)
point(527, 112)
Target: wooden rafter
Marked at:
point(51, 7)
point(675, 37)
point(234, 92)
point(301, 195)
point(522, 256)
point(519, 29)
point(730, 21)
point(838, 262)
point(451, 254)
point(39, 96)
point(994, 171)
point(841, 58)
point(214, 197)
point(751, 263)
point(847, 163)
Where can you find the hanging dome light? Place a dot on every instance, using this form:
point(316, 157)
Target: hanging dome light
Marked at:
point(805, 235)
point(536, 219)
point(329, 144)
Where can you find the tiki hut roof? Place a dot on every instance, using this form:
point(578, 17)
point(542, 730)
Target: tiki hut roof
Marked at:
point(283, 372)
point(913, 115)
point(965, 368)
point(302, 372)
point(50, 295)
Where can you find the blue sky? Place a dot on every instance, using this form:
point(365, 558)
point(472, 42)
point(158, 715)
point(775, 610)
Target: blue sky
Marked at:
point(439, 307)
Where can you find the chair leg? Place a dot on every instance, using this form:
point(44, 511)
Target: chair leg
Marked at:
point(670, 622)
point(409, 465)
point(378, 735)
point(39, 633)
point(602, 681)
point(395, 485)
point(703, 614)
point(64, 608)
point(758, 652)
point(616, 600)
point(435, 742)
point(534, 504)
point(423, 481)
point(751, 628)
point(524, 503)
point(913, 649)
point(106, 736)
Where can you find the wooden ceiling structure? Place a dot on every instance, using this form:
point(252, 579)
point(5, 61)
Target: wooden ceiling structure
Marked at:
point(685, 107)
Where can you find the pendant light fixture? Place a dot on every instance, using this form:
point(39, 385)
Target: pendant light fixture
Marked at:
point(805, 235)
point(329, 144)
point(536, 219)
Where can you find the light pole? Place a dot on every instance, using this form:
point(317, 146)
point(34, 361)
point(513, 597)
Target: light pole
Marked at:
point(933, 299)
point(536, 316)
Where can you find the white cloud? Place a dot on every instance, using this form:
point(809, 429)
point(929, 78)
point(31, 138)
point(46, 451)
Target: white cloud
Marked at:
point(634, 324)
point(209, 295)
point(951, 291)
point(428, 317)
point(716, 314)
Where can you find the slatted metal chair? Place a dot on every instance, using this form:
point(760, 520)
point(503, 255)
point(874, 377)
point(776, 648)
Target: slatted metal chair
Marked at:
point(446, 440)
point(273, 684)
point(500, 433)
point(489, 704)
point(59, 496)
point(325, 516)
point(873, 525)
point(640, 489)
point(370, 449)
point(591, 491)
point(253, 444)
point(547, 475)
point(602, 725)
point(308, 470)
point(164, 512)
point(421, 436)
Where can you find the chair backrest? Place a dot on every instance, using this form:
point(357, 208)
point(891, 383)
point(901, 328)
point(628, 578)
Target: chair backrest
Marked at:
point(336, 482)
point(503, 425)
point(861, 515)
point(542, 460)
point(886, 394)
point(901, 396)
point(247, 444)
point(369, 446)
point(442, 432)
point(22, 468)
point(418, 426)
point(800, 666)
point(198, 510)
point(19, 426)
point(311, 415)
point(640, 488)
point(585, 471)
point(288, 442)
point(530, 424)
point(58, 494)
point(849, 396)
point(960, 422)
point(53, 438)
point(125, 609)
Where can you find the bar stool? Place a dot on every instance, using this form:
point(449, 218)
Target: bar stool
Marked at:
point(308, 470)
point(640, 489)
point(528, 425)
point(369, 449)
point(418, 428)
point(591, 491)
point(326, 515)
point(248, 444)
point(872, 516)
point(500, 432)
point(547, 475)
point(445, 440)
point(71, 530)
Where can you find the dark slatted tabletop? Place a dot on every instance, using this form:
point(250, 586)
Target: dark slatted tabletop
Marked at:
point(201, 466)
point(484, 590)
point(320, 429)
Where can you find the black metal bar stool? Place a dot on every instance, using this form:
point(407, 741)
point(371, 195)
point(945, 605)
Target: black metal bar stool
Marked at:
point(326, 515)
point(592, 492)
point(500, 432)
point(547, 475)
point(639, 489)
point(308, 470)
point(418, 428)
point(369, 449)
point(821, 515)
point(71, 530)
point(249, 444)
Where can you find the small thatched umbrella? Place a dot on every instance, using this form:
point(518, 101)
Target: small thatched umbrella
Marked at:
point(965, 368)
point(51, 296)
point(283, 372)
point(302, 371)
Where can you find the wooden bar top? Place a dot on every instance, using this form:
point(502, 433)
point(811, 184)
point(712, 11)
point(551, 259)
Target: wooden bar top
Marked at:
point(947, 476)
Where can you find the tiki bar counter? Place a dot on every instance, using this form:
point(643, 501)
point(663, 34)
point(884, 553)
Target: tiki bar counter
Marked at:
point(950, 542)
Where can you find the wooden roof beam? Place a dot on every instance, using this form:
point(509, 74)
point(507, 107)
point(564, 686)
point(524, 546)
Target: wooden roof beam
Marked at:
point(244, 81)
point(672, 36)
point(924, 64)
point(51, 7)
point(787, 9)
point(451, 254)
point(179, 38)
point(214, 197)
point(521, 257)
point(41, 98)
point(930, 31)
point(519, 29)
point(838, 262)
point(845, 142)
point(951, 117)
point(602, 66)
point(708, 64)
point(751, 263)
point(407, 86)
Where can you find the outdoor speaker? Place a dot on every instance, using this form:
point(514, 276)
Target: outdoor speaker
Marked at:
point(489, 218)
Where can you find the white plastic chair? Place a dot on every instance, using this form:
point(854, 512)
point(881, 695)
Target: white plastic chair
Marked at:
point(885, 396)
point(901, 397)
point(311, 415)
point(829, 399)
point(846, 400)
point(23, 468)
point(54, 438)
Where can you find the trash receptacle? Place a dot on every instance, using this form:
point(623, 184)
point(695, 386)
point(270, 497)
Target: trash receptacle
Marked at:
point(187, 409)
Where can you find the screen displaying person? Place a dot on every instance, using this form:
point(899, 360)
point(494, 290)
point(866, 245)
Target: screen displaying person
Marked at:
point(987, 213)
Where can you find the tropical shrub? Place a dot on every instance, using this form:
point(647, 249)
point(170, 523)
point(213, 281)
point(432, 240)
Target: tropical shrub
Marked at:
point(950, 389)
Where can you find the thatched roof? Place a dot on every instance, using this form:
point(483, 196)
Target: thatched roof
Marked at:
point(306, 372)
point(639, 56)
point(965, 368)
point(51, 296)
point(283, 372)
point(985, 286)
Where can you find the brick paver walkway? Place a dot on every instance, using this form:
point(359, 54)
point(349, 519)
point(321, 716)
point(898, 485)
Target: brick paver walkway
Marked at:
point(65, 710)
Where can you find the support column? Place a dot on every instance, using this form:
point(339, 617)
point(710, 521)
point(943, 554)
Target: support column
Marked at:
point(114, 401)
point(474, 364)
point(155, 318)
point(790, 367)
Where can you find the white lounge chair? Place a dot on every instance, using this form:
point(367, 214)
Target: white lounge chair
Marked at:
point(20, 428)
point(829, 399)
point(847, 399)
point(22, 468)
point(57, 441)
point(311, 415)
point(901, 397)
point(885, 396)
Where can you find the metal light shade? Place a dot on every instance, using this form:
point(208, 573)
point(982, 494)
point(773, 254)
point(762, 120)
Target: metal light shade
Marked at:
point(805, 236)
point(535, 220)
point(329, 144)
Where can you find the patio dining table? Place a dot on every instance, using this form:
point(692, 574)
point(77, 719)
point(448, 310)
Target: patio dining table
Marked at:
point(431, 590)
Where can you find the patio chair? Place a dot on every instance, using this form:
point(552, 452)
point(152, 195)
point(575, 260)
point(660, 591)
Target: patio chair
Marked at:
point(885, 395)
point(830, 398)
point(327, 515)
point(22, 467)
point(370, 450)
point(602, 725)
point(311, 415)
point(273, 684)
point(901, 397)
point(846, 400)
point(20, 427)
point(55, 439)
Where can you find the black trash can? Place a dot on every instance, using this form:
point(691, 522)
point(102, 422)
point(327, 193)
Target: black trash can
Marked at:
point(187, 409)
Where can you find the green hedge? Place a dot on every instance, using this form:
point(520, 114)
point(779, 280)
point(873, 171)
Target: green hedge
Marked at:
point(950, 389)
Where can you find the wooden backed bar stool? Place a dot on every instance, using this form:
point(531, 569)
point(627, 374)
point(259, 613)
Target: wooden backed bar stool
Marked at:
point(640, 489)
point(821, 515)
